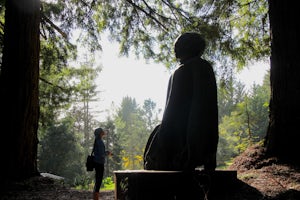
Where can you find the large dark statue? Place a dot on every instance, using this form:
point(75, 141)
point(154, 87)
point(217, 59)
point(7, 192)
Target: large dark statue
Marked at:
point(188, 134)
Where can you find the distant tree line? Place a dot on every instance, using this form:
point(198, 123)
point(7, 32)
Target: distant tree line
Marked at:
point(243, 118)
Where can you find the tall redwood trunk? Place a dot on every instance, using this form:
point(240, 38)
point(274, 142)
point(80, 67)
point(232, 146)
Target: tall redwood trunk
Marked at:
point(284, 130)
point(19, 89)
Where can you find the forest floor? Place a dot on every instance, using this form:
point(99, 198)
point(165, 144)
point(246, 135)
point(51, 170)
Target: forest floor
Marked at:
point(261, 179)
point(270, 178)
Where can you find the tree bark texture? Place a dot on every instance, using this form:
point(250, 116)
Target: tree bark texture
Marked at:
point(19, 89)
point(283, 134)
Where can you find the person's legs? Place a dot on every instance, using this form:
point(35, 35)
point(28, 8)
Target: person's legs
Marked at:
point(99, 168)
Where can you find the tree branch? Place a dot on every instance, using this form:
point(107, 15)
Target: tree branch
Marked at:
point(147, 14)
point(46, 19)
point(49, 83)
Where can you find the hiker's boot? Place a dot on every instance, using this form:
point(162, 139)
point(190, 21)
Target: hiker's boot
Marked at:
point(96, 195)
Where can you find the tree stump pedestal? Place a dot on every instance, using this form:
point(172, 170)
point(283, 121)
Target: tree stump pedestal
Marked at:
point(171, 185)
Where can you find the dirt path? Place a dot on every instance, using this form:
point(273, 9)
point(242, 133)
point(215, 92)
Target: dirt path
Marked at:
point(43, 188)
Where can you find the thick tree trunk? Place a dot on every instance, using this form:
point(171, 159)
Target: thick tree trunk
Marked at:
point(19, 89)
point(283, 134)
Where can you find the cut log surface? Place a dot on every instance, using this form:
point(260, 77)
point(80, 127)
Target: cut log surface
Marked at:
point(169, 185)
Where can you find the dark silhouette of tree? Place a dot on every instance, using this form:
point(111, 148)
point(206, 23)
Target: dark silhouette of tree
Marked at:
point(283, 134)
point(19, 89)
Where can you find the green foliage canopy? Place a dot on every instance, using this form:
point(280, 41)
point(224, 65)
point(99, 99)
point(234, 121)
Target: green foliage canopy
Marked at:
point(236, 31)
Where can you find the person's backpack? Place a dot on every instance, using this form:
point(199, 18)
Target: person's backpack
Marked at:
point(90, 164)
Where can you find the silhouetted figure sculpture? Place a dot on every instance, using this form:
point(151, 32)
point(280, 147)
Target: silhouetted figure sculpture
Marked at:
point(188, 134)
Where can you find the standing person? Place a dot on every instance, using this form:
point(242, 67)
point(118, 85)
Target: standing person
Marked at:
point(187, 137)
point(99, 158)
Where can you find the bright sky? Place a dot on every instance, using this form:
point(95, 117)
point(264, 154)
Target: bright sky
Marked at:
point(122, 76)
point(254, 74)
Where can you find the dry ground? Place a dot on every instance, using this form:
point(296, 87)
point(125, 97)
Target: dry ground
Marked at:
point(260, 178)
point(44, 188)
point(274, 180)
